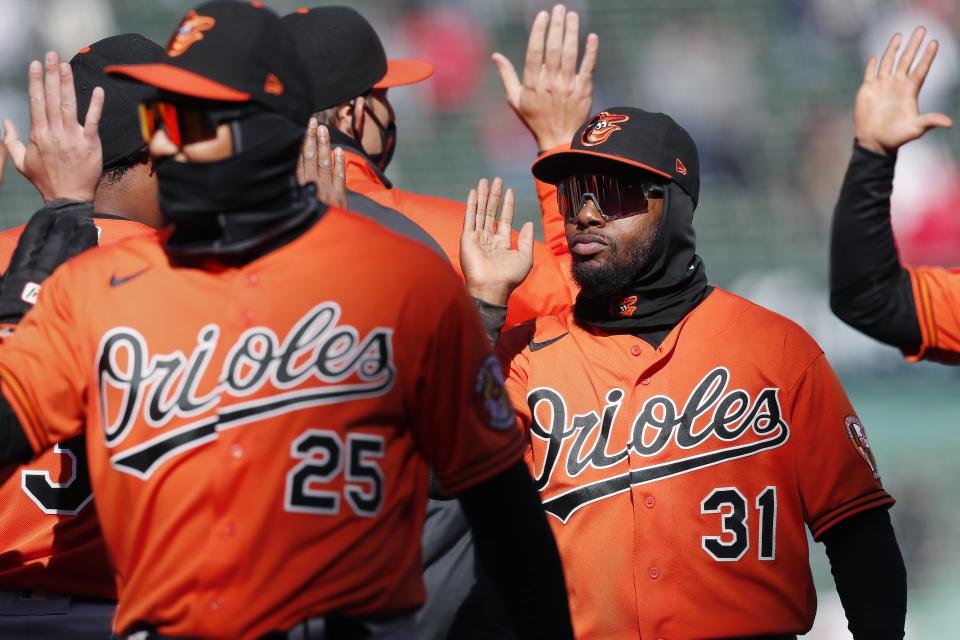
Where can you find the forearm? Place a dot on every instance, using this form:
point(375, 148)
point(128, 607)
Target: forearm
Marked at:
point(493, 317)
point(517, 550)
point(870, 575)
point(869, 288)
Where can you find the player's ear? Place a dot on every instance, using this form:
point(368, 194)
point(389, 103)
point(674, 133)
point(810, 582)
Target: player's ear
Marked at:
point(343, 116)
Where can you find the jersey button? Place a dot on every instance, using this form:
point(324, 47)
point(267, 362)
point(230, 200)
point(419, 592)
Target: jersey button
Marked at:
point(216, 605)
point(645, 381)
point(230, 529)
point(236, 451)
point(654, 573)
point(636, 350)
point(248, 317)
point(252, 280)
point(650, 502)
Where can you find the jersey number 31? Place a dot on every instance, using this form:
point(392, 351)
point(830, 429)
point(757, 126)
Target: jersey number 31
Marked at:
point(735, 538)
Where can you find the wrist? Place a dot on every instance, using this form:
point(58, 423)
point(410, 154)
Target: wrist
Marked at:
point(872, 145)
point(497, 294)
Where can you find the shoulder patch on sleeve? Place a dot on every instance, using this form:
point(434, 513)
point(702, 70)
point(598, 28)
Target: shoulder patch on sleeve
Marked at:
point(490, 397)
point(858, 439)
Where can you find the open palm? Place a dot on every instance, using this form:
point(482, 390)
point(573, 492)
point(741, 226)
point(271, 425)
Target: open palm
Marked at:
point(491, 266)
point(886, 115)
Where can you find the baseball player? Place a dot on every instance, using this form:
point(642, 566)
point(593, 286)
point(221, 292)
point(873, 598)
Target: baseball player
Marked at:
point(683, 439)
point(352, 77)
point(58, 580)
point(259, 397)
point(916, 309)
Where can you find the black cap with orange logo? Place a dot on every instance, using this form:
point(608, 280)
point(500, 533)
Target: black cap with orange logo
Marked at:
point(231, 52)
point(345, 56)
point(623, 139)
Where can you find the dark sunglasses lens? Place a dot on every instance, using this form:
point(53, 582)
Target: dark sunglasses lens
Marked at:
point(632, 197)
point(195, 125)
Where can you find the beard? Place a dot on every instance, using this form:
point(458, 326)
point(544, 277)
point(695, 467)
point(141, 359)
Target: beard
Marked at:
point(616, 276)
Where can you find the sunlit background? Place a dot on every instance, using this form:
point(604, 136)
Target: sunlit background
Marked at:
point(766, 88)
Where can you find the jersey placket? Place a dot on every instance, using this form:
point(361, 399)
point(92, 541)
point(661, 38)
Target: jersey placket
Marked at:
point(231, 455)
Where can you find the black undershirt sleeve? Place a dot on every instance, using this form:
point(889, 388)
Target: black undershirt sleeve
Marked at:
point(869, 288)
point(870, 575)
point(14, 446)
point(516, 548)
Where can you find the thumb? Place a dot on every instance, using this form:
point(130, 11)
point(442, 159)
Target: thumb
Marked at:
point(508, 76)
point(11, 141)
point(525, 240)
point(931, 120)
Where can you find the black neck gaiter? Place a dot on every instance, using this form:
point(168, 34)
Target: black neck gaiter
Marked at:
point(667, 290)
point(249, 200)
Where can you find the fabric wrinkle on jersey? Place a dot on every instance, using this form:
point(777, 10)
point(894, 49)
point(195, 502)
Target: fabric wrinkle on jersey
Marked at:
point(49, 534)
point(548, 290)
point(673, 484)
point(165, 580)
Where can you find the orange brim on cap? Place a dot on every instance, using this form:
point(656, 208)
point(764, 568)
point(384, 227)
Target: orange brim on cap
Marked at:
point(401, 72)
point(177, 80)
point(563, 163)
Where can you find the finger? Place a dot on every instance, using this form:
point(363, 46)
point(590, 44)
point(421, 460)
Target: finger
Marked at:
point(309, 151)
point(525, 240)
point(910, 53)
point(51, 88)
point(91, 125)
point(571, 42)
point(590, 51)
point(12, 144)
point(508, 76)
point(870, 72)
point(534, 59)
point(470, 214)
point(505, 224)
point(483, 190)
point(324, 165)
point(919, 73)
point(3, 161)
point(555, 38)
point(38, 108)
point(933, 120)
point(340, 171)
point(68, 97)
point(493, 204)
point(886, 62)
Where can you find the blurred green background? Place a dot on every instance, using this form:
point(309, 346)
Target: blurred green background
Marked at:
point(766, 87)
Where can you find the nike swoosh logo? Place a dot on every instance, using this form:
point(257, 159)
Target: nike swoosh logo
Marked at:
point(536, 346)
point(116, 282)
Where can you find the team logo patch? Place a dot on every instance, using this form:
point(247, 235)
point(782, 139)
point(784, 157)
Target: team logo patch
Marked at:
point(273, 86)
point(599, 130)
point(624, 308)
point(190, 31)
point(490, 396)
point(858, 438)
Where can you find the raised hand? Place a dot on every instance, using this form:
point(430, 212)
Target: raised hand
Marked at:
point(553, 99)
point(62, 158)
point(319, 166)
point(491, 267)
point(885, 114)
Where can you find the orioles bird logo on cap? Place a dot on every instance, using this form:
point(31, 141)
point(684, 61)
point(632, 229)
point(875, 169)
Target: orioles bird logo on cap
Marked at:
point(599, 130)
point(190, 31)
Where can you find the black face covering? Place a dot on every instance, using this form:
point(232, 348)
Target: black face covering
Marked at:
point(388, 137)
point(673, 282)
point(248, 200)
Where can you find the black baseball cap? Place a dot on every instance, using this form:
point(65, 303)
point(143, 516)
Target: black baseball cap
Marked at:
point(345, 57)
point(624, 139)
point(120, 134)
point(231, 52)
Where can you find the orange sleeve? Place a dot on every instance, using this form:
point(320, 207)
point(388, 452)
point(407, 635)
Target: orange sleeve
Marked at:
point(836, 469)
point(936, 294)
point(463, 421)
point(514, 362)
point(42, 372)
point(554, 235)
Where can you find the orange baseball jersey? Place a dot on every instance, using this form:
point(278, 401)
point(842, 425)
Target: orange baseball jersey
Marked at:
point(936, 295)
point(257, 434)
point(548, 290)
point(679, 481)
point(49, 535)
